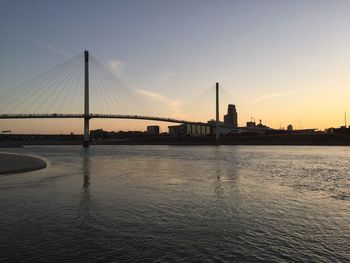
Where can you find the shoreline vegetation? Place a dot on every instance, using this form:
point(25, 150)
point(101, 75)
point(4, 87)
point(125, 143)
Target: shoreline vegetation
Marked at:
point(285, 139)
point(13, 163)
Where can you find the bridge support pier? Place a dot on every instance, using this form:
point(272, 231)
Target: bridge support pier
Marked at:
point(86, 141)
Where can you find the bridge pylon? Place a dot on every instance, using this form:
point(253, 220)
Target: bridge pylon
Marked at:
point(86, 141)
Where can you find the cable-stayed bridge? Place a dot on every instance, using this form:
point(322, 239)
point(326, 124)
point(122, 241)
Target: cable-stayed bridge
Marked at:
point(94, 116)
point(54, 95)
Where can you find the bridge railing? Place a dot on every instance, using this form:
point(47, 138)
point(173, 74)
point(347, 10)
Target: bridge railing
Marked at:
point(92, 115)
point(44, 115)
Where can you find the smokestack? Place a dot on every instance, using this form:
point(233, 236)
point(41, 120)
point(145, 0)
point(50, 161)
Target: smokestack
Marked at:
point(345, 119)
point(217, 131)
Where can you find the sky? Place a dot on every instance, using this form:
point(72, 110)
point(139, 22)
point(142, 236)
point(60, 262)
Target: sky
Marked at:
point(284, 62)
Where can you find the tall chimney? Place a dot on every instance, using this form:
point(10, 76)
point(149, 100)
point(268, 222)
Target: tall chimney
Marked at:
point(217, 130)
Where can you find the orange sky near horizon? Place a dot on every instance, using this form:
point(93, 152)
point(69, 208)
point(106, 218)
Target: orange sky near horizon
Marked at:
point(284, 62)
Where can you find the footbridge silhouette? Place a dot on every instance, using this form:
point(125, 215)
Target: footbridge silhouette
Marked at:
point(95, 116)
point(30, 104)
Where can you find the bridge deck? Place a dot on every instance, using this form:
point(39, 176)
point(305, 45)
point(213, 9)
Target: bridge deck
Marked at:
point(95, 116)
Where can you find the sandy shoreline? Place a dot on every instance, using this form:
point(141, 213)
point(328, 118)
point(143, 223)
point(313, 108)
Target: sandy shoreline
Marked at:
point(13, 163)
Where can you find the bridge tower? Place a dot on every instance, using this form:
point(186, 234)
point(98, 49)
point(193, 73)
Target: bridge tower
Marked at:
point(217, 128)
point(86, 141)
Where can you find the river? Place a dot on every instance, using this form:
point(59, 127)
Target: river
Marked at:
point(178, 204)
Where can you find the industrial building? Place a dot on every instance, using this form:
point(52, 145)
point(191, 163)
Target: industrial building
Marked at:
point(230, 127)
point(189, 130)
point(153, 130)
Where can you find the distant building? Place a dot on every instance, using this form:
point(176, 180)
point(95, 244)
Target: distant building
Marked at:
point(251, 124)
point(252, 127)
point(177, 130)
point(230, 119)
point(100, 134)
point(228, 131)
point(189, 130)
point(329, 130)
point(213, 122)
point(342, 129)
point(153, 130)
point(260, 125)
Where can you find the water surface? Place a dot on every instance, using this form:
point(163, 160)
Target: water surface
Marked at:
point(179, 204)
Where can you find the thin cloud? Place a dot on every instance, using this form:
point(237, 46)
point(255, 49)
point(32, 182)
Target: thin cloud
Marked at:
point(166, 76)
point(274, 95)
point(116, 66)
point(157, 97)
point(50, 47)
point(151, 94)
point(314, 65)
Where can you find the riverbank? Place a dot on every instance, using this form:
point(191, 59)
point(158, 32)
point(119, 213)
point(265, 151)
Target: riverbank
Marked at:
point(321, 139)
point(13, 163)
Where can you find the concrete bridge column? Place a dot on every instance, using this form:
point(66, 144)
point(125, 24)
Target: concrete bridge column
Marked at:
point(86, 141)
